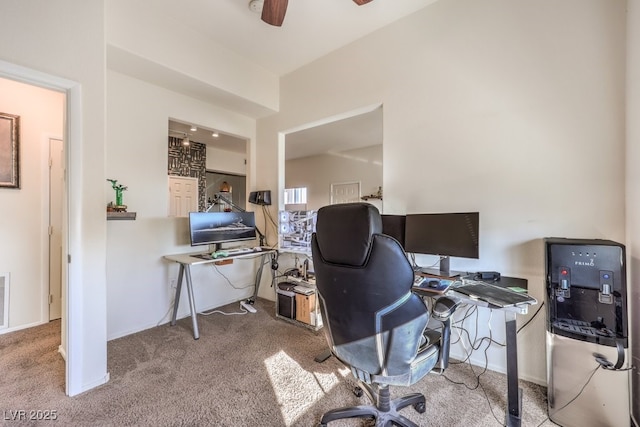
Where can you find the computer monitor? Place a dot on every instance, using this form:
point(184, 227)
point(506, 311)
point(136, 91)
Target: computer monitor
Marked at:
point(393, 225)
point(443, 234)
point(213, 228)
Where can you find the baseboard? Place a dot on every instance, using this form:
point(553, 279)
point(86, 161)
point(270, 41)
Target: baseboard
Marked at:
point(180, 315)
point(499, 368)
point(18, 328)
point(62, 352)
point(535, 380)
point(94, 384)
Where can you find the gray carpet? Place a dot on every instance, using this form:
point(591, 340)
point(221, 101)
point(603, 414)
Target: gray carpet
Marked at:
point(245, 370)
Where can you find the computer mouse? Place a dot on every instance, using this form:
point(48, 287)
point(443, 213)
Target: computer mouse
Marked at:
point(433, 283)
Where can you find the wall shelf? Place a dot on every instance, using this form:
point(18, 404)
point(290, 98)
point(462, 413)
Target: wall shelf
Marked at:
point(121, 215)
point(378, 195)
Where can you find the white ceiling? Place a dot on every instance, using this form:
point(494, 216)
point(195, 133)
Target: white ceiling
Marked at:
point(205, 136)
point(362, 130)
point(311, 28)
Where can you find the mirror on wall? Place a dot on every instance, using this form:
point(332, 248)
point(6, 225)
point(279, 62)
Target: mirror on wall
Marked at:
point(336, 162)
point(204, 162)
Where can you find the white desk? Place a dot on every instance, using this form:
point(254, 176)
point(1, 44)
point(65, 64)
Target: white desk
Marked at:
point(513, 417)
point(187, 260)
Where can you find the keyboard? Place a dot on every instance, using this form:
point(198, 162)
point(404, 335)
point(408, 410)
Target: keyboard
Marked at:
point(494, 295)
point(237, 251)
point(431, 284)
point(225, 253)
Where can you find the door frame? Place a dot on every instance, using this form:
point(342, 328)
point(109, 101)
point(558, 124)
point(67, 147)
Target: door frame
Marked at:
point(72, 345)
point(46, 202)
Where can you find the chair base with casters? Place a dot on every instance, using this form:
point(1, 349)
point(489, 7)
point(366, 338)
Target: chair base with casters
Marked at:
point(385, 412)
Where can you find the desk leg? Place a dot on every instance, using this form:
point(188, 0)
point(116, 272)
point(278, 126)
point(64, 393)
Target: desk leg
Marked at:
point(514, 393)
point(177, 297)
point(192, 303)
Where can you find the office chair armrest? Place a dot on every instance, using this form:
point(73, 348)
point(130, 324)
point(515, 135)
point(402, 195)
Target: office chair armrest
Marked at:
point(443, 309)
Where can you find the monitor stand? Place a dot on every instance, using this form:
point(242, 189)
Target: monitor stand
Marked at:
point(444, 271)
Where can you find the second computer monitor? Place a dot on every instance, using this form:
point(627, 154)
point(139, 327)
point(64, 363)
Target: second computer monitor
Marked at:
point(393, 225)
point(443, 234)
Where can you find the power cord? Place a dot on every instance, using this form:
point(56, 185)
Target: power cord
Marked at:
point(416, 267)
point(210, 312)
point(173, 299)
point(267, 214)
point(474, 345)
point(531, 318)
point(581, 390)
point(602, 363)
point(215, 267)
point(477, 376)
point(243, 311)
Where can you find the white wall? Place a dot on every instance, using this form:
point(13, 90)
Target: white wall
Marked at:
point(25, 246)
point(226, 161)
point(139, 281)
point(512, 109)
point(176, 50)
point(317, 173)
point(633, 195)
point(64, 42)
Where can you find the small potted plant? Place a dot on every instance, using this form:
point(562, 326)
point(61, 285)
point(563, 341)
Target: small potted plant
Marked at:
point(119, 188)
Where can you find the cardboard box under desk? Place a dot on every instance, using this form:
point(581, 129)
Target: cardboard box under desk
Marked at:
point(305, 305)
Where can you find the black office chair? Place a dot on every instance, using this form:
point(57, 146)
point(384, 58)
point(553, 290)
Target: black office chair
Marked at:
point(373, 322)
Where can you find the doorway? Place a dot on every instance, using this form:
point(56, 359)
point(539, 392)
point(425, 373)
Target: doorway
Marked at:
point(33, 227)
point(72, 346)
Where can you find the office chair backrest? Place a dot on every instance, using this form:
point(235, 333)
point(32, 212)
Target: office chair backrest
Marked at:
point(373, 321)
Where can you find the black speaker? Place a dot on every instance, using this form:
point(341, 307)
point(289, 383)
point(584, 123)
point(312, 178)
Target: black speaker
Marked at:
point(260, 197)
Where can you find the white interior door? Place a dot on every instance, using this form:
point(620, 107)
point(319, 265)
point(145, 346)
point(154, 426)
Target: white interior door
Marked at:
point(56, 183)
point(345, 193)
point(183, 195)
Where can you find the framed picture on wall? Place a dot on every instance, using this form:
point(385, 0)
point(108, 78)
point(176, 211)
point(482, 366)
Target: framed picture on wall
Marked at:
point(9, 151)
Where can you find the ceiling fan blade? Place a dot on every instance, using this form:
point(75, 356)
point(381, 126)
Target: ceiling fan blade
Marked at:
point(273, 11)
point(361, 2)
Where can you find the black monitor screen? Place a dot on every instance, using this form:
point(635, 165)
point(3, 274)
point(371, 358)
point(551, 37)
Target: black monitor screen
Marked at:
point(444, 234)
point(218, 227)
point(393, 225)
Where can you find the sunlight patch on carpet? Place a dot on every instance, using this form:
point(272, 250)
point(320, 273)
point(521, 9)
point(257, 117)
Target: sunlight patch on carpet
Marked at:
point(295, 388)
